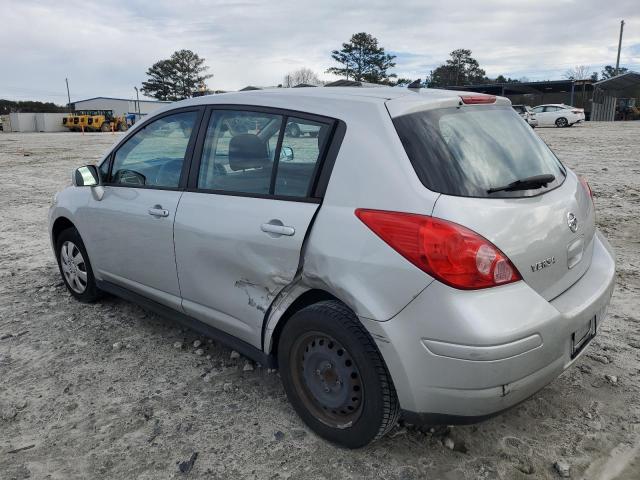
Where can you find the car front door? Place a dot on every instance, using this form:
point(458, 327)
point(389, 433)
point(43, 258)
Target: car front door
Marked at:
point(132, 236)
point(241, 224)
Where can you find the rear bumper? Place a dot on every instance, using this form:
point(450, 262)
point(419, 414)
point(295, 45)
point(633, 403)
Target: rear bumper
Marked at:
point(465, 355)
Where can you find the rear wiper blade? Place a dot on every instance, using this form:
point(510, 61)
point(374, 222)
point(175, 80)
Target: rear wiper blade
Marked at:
point(536, 181)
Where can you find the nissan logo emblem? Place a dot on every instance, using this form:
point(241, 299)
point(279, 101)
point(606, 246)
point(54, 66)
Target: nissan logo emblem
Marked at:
point(572, 221)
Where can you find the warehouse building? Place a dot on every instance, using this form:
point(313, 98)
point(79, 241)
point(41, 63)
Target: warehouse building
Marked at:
point(119, 106)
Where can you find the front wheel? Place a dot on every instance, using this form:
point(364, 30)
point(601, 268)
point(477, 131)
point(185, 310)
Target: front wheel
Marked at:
point(335, 377)
point(75, 267)
point(294, 130)
point(561, 122)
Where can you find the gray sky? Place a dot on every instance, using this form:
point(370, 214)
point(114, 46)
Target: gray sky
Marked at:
point(104, 48)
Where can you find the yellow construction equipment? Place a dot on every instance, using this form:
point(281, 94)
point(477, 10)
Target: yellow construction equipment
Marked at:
point(94, 121)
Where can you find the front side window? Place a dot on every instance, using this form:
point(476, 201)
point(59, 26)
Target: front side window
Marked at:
point(154, 155)
point(537, 110)
point(470, 151)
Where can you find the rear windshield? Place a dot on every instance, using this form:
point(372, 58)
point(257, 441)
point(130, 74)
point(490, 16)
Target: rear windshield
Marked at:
point(465, 151)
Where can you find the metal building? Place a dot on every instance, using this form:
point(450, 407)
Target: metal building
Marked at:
point(119, 106)
point(609, 96)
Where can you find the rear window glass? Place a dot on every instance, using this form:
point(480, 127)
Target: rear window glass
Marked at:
point(468, 150)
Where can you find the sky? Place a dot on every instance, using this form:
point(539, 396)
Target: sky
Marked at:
point(104, 48)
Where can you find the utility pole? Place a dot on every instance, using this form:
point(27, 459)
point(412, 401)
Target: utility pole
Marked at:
point(68, 96)
point(619, 46)
point(137, 100)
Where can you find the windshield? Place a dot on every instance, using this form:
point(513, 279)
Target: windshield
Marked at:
point(466, 151)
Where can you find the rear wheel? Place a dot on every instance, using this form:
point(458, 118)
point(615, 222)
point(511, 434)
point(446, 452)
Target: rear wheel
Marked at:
point(105, 127)
point(122, 127)
point(561, 122)
point(335, 376)
point(75, 267)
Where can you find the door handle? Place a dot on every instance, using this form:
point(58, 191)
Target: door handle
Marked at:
point(277, 229)
point(158, 211)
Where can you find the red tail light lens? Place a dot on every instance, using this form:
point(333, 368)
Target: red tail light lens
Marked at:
point(586, 187)
point(477, 99)
point(447, 251)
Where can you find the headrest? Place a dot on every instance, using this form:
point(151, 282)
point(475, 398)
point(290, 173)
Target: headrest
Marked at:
point(247, 150)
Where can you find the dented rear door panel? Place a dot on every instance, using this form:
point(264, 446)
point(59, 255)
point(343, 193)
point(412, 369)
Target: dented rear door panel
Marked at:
point(229, 269)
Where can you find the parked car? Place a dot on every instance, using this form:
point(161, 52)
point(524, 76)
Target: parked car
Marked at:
point(427, 256)
point(297, 129)
point(527, 114)
point(559, 115)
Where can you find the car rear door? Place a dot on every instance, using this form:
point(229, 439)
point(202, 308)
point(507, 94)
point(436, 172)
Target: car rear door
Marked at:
point(131, 234)
point(241, 224)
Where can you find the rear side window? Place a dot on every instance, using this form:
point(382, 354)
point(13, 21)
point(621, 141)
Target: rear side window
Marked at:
point(239, 151)
point(468, 150)
point(154, 155)
point(302, 148)
point(249, 153)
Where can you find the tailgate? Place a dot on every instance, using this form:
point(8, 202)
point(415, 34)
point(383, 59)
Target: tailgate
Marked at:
point(533, 232)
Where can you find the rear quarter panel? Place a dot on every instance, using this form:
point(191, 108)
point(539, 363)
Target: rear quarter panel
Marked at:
point(343, 256)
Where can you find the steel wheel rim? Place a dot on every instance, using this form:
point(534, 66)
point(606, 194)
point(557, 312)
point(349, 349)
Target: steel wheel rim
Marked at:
point(327, 380)
point(73, 267)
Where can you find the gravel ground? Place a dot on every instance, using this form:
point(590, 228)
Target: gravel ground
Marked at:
point(111, 391)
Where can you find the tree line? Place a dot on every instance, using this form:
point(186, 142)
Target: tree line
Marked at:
point(362, 59)
point(9, 106)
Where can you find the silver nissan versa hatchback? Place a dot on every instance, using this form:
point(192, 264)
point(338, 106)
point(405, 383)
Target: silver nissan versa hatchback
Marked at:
point(419, 253)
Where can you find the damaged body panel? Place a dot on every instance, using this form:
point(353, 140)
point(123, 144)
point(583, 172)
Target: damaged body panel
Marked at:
point(230, 282)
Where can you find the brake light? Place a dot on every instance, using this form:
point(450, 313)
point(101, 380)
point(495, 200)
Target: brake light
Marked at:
point(576, 111)
point(445, 250)
point(477, 99)
point(586, 186)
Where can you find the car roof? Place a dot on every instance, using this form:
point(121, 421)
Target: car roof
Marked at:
point(374, 94)
point(331, 101)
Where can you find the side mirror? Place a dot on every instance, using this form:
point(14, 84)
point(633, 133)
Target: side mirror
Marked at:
point(286, 153)
point(86, 176)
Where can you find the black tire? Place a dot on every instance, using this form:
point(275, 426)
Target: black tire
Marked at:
point(105, 127)
point(91, 292)
point(561, 122)
point(294, 130)
point(123, 127)
point(374, 407)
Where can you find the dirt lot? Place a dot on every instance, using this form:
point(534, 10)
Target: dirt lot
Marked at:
point(102, 391)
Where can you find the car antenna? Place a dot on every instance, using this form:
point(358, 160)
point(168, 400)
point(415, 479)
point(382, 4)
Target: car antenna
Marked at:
point(415, 85)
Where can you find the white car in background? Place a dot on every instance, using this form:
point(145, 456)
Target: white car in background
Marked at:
point(558, 114)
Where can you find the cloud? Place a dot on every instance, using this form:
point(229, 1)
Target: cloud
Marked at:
point(105, 48)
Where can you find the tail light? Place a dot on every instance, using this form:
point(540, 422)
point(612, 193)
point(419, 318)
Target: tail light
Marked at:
point(447, 251)
point(477, 99)
point(576, 111)
point(586, 187)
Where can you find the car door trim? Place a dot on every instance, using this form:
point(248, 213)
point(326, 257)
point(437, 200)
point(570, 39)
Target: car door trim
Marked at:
point(169, 313)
